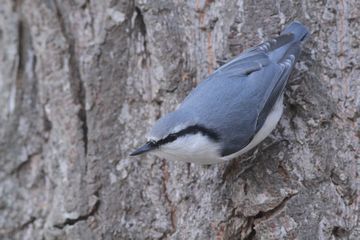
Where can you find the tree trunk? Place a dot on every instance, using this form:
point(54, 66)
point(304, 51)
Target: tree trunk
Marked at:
point(82, 81)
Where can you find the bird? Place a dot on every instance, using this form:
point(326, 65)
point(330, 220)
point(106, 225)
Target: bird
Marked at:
point(233, 109)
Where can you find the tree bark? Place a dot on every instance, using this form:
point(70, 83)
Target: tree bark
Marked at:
point(82, 81)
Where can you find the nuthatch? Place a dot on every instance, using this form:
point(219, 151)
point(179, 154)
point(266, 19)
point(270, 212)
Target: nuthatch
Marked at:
point(234, 109)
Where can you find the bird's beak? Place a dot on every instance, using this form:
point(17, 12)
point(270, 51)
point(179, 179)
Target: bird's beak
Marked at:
point(143, 149)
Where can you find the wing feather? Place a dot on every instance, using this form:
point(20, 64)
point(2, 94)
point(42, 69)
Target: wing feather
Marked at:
point(286, 64)
point(249, 85)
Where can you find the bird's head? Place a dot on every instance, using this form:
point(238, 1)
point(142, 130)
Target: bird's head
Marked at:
point(178, 136)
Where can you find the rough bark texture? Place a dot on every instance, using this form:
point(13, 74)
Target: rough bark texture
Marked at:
point(82, 81)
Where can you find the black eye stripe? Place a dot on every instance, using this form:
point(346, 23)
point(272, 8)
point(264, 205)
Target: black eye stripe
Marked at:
point(199, 129)
point(189, 130)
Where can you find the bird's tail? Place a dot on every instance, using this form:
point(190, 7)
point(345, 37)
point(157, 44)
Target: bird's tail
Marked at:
point(298, 29)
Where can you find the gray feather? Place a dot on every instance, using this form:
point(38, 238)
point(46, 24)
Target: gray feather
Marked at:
point(286, 64)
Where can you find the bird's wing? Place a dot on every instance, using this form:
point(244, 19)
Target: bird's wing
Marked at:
point(257, 57)
point(244, 65)
point(286, 65)
point(271, 44)
point(236, 99)
point(242, 99)
point(280, 50)
point(275, 60)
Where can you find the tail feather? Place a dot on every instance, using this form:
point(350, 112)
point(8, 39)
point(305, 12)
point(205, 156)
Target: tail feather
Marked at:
point(299, 31)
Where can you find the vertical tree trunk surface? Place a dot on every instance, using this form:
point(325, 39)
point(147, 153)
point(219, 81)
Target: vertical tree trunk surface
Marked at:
point(82, 81)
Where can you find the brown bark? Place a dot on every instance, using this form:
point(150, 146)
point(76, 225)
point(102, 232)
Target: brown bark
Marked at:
point(82, 81)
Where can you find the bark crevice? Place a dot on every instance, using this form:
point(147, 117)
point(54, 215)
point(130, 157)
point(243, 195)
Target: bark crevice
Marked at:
point(73, 221)
point(78, 89)
point(264, 215)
